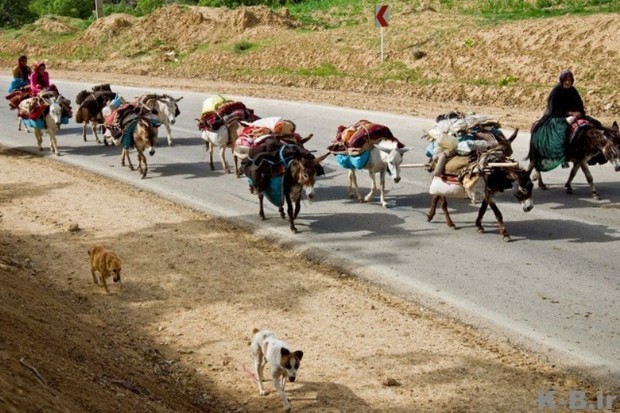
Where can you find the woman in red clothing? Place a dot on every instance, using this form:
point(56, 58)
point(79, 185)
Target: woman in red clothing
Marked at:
point(40, 80)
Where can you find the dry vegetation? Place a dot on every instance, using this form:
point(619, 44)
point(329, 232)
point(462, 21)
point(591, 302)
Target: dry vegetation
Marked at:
point(452, 61)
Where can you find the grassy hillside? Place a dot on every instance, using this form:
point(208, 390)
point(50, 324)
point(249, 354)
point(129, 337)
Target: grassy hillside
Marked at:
point(438, 51)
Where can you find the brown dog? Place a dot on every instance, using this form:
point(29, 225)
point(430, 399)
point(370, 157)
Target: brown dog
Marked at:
point(106, 263)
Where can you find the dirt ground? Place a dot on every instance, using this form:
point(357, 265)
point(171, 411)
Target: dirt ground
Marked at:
point(176, 339)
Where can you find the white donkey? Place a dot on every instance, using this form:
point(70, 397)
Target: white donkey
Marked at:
point(384, 156)
point(166, 109)
point(51, 120)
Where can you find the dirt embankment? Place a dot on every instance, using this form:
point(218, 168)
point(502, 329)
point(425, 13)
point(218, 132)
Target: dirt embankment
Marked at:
point(433, 61)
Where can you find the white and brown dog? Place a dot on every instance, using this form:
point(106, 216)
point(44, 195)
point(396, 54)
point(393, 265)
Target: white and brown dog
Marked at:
point(266, 348)
point(106, 263)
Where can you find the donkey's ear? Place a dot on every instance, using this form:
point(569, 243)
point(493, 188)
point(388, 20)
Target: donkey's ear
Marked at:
point(614, 126)
point(321, 158)
point(513, 136)
point(176, 100)
point(403, 150)
point(382, 149)
point(306, 139)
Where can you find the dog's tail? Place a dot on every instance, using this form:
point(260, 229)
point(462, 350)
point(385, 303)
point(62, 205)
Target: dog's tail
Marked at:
point(256, 330)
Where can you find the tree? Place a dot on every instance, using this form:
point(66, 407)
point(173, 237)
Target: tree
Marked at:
point(14, 13)
point(70, 8)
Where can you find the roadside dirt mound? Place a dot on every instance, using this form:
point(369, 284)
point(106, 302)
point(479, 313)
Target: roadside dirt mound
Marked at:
point(54, 25)
point(107, 28)
point(184, 27)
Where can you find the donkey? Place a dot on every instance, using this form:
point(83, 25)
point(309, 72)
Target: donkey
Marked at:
point(90, 109)
point(225, 137)
point(51, 118)
point(143, 137)
point(384, 156)
point(595, 143)
point(166, 109)
point(282, 172)
point(491, 181)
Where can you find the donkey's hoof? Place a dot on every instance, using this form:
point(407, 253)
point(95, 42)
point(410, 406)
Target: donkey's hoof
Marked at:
point(481, 230)
point(596, 196)
point(543, 187)
point(506, 238)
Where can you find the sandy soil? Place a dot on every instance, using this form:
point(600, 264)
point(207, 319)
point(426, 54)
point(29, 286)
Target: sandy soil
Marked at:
point(176, 338)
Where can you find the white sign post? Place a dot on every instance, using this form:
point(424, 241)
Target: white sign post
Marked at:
point(382, 16)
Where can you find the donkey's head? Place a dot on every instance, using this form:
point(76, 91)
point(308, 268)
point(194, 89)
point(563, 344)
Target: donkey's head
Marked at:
point(393, 157)
point(55, 109)
point(304, 172)
point(522, 188)
point(145, 135)
point(506, 143)
point(611, 145)
point(168, 105)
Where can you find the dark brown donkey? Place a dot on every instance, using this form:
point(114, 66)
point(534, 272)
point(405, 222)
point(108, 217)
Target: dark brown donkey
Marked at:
point(493, 179)
point(282, 173)
point(593, 144)
point(91, 105)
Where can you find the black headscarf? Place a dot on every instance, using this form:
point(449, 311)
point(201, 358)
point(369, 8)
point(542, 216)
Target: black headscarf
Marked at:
point(562, 100)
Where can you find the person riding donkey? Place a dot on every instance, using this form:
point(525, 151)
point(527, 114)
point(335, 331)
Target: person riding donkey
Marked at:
point(40, 80)
point(19, 88)
point(21, 74)
point(565, 110)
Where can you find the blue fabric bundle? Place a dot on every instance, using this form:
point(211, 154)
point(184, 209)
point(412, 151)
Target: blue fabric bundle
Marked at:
point(353, 162)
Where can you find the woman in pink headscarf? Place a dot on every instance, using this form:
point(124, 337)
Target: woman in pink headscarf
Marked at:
point(40, 80)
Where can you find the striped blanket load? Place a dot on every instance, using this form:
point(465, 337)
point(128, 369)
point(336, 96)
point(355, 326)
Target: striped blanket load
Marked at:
point(360, 137)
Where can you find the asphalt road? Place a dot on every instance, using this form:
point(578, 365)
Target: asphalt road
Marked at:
point(553, 289)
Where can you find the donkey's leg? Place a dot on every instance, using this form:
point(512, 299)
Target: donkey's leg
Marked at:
point(586, 171)
point(125, 155)
point(53, 142)
point(289, 210)
point(353, 188)
point(142, 166)
point(169, 132)
point(571, 176)
point(297, 208)
point(382, 188)
point(446, 214)
point(39, 136)
point(537, 175)
point(373, 186)
point(84, 130)
point(94, 127)
point(481, 212)
point(433, 208)
point(261, 210)
point(235, 162)
point(500, 220)
point(210, 147)
point(223, 159)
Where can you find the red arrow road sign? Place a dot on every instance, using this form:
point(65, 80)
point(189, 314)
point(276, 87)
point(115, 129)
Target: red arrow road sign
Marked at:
point(382, 15)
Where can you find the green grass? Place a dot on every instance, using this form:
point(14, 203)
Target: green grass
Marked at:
point(324, 70)
point(525, 9)
point(331, 13)
point(243, 46)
